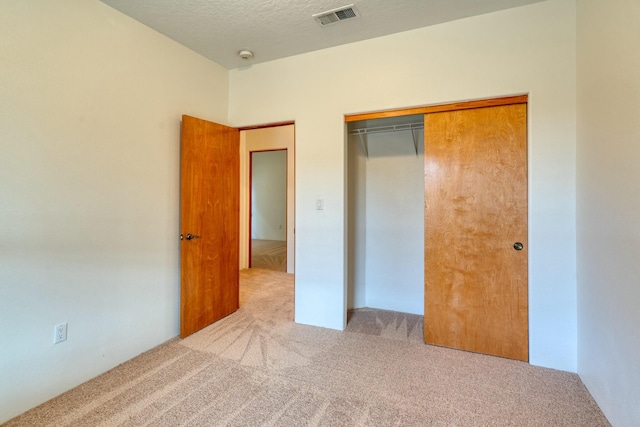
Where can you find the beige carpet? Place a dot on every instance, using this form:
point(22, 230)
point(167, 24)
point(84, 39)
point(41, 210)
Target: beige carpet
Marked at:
point(269, 254)
point(258, 368)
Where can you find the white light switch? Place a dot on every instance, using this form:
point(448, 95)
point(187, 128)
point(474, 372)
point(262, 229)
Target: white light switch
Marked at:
point(319, 204)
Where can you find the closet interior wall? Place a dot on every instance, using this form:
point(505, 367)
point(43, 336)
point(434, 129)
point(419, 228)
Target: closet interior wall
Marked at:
point(386, 219)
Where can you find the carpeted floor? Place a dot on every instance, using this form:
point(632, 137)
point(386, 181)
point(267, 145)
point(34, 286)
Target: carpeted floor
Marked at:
point(269, 254)
point(258, 368)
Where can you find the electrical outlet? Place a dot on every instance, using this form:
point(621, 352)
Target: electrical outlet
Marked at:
point(60, 333)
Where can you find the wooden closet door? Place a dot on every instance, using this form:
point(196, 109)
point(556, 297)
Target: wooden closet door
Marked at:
point(476, 283)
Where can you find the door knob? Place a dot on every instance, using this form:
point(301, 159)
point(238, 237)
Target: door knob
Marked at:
point(517, 245)
point(191, 236)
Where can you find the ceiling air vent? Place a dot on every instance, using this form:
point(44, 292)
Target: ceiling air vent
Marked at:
point(336, 15)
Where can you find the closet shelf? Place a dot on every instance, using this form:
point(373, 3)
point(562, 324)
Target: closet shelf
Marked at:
point(390, 128)
point(363, 132)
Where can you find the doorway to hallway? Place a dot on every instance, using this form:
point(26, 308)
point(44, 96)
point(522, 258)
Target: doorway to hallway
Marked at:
point(254, 143)
point(269, 210)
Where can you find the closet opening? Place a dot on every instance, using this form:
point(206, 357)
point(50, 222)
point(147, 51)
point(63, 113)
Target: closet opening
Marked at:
point(385, 222)
point(471, 194)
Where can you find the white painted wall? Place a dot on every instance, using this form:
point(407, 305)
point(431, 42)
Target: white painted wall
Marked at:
point(90, 106)
point(263, 139)
point(608, 188)
point(269, 195)
point(529, 49)
point(392, 236)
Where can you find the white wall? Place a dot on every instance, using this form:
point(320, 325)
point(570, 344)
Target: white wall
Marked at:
point(530, 49)
point(392, 208)
point(90, 106)
point(269, 195)
point(263, 139)
point(609, 206)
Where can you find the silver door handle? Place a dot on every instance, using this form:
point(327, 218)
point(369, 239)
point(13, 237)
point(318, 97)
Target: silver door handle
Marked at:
point(191, 236)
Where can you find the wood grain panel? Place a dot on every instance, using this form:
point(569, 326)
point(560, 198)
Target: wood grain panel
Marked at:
point(455, 106)
point(209, 208)
point(475, 210)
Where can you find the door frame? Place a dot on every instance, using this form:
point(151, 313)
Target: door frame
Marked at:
point(437, 108)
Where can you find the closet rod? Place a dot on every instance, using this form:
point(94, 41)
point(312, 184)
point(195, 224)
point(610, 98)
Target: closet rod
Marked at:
point(390, 128)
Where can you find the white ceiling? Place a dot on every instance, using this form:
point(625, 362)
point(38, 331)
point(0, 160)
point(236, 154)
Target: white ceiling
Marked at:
point(273, 29)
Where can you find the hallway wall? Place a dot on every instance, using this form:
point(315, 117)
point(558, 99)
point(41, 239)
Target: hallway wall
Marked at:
point(269, 195)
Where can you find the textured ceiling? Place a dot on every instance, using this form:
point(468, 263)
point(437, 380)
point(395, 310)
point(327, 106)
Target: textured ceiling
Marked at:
point(273, 29)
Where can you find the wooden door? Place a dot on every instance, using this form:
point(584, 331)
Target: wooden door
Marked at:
point(475, 213)
point(209, 223)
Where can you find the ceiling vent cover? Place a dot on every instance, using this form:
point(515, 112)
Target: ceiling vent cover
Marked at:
point(336, 15)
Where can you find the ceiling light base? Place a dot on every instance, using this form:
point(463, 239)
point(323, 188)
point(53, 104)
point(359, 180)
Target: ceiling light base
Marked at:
point(245, 54)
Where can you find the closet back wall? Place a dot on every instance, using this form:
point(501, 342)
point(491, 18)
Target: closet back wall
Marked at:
point(386, 222)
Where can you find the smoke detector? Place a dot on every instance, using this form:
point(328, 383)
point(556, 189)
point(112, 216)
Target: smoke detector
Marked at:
point(334, 16)
point(245, 54)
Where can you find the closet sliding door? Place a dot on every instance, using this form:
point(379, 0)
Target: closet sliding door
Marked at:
point(475, 270)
